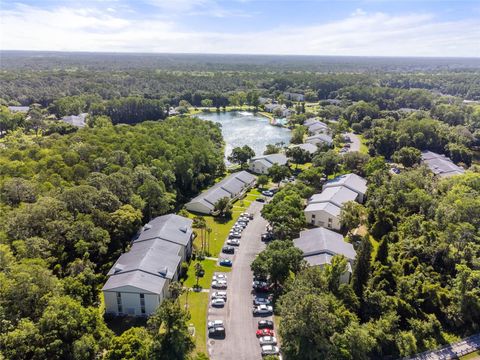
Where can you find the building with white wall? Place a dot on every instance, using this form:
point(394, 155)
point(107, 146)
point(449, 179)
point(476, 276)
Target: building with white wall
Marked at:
point(138, 281)
point(261, 164)
point(320, 245)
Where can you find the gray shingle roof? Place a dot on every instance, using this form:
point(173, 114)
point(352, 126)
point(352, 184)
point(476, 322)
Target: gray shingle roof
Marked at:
point(337, 195)
point(19, 108)
point(440, 164)
point(351, 181)
point(229, 187)
point(310, 148)
point(138, 279)
point(324, 206)
point(173, 228)
point(319, 138)
point(76, 120)
point(323, 241)
point(279, 159)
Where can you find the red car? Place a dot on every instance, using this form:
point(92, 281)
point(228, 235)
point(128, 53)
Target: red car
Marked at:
point(265, 332)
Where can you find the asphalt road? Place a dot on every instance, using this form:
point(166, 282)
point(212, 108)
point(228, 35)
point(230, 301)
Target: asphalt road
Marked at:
point(240, 342)
point(355, 142)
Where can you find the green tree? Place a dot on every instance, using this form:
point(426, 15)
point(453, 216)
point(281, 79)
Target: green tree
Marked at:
point(361, 270)
point(329, 161)
point(170, 337)
point(277, 261)
point(352, 215)
point(407, 156)
point(241, 155)
point(224, 207)
point(278, 172)
point(262, 180)
point(132, 344)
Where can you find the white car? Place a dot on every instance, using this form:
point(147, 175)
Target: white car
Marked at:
point(219, 284)
point(218, 277)
point(219, 295)
point(215, 324)
point(218, 302)
point(268, 340)
point(262, 310)
point(270, 350)
point(233, 242)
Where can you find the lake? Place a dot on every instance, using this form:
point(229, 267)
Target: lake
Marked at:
point(245, 128)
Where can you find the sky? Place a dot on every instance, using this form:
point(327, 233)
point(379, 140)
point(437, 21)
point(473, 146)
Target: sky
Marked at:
point(315, 27)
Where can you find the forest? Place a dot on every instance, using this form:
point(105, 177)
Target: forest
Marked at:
point(69, 205)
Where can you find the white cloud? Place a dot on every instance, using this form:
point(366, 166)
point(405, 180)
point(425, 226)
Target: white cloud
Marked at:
point(379, 34)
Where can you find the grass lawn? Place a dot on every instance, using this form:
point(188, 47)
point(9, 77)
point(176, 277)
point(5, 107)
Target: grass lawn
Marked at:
point(363, 145)
point(197, 306)
point(221, 227)
point(472, 356)
point(302, 167)
point(210, 266)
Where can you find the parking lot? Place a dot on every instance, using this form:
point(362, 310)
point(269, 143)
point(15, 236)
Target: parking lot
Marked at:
point(240, 341)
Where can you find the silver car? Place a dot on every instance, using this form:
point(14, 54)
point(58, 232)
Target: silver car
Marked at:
point(268, 340)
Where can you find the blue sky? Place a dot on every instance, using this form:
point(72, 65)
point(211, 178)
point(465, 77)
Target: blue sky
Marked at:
point(315, 27)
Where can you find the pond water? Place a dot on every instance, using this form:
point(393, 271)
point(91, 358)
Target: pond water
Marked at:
point(245, 128)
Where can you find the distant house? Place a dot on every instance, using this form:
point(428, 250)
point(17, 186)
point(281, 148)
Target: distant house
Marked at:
point(282, 109)
point(15, 109)
point(76, 120)
point(440, 164)
point(320, 139)
point(263, 100)
point(336, 102)
point(232, 187)
point(350, 181)
point(138, 281)
point(316, 127)
point(324, 209)
point(261, 164)
point(320, 245)
point(294, 96)
point(310, 148)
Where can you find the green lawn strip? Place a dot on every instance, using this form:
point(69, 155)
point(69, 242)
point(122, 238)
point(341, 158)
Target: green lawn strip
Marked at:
point(210, 266)
point(472, 356)
point(197, 306)
point(375, 245)
point(363, 145)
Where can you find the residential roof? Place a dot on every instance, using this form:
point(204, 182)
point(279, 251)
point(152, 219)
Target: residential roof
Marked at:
point(279, 159)
point(328, 207)
point(318, 127)
point(324, 241)
point(173, 228)
point(229, 187)
point(19, 108)
point(322, 259)
point(351, 181)
point(76, 120)
point(138, 279)
point(319, 138)
point(310, 148)
point(440, 164)
point(337, 195)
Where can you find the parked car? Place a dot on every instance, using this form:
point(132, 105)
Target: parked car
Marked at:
point(217, 332)
point(260, 199)
point(233, 242)
point(219, 284)
point(234, 235)
point(261, 301)
point(265, 324)
point(214, 324)
point(242, 224)
point(267, 193)
point(247, 215)
point(219, 295)
point(263, 310)
point(226, 262)
point(268, 340)
point(346, 145)
point(218, 302)
point(243, 218)
point(220, 277)
point(267, 237)
point(270, 350)
point(265, 332)
point(228, 250)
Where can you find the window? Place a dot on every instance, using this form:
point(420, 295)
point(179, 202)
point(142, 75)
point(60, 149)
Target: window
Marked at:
point(142, 303)
point(119, 303)
point(329, 220)
point(313, 216)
